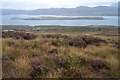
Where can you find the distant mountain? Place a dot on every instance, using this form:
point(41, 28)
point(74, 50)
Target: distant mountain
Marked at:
point(78, 11)
point(13, 11)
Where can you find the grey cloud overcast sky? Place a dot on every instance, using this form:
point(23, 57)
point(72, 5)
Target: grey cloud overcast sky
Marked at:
point(36, 4)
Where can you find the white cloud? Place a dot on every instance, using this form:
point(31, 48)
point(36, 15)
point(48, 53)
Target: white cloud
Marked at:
point(59, 1)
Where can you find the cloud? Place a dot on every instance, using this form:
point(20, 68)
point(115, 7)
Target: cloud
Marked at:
point(60, 1)
point(35, 4)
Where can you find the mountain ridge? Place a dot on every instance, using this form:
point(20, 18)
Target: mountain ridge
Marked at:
point(78, 11)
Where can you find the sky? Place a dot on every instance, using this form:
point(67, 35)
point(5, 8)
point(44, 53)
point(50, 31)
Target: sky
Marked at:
point(40, 4)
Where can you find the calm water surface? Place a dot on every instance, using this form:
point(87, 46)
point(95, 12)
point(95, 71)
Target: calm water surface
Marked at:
point(6, 20)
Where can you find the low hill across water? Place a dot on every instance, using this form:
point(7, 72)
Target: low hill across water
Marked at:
point(78, 11)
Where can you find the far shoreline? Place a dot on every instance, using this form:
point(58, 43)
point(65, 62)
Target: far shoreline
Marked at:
point(59, 26)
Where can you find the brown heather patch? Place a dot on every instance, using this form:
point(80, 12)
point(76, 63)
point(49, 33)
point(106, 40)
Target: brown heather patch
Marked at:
point(18, 35)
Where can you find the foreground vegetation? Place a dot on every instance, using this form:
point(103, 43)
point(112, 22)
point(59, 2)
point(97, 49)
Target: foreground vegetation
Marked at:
point(62, 52)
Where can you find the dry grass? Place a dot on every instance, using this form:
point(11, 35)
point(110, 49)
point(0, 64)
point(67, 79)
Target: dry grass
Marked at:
point(39, 58)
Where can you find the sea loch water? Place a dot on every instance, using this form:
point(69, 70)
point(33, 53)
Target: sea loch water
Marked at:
point(109, 20)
